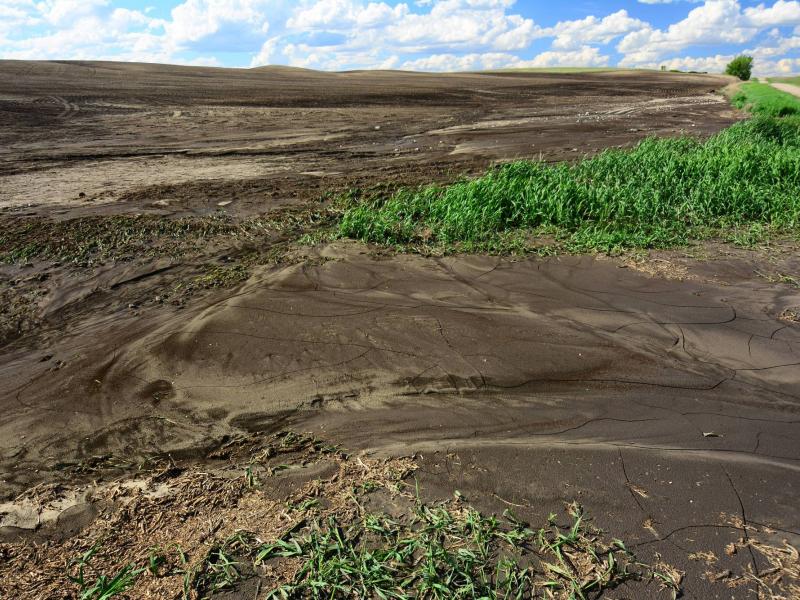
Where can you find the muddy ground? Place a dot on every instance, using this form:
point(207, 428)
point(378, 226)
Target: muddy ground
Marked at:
point(160, 300)
point(182, 140)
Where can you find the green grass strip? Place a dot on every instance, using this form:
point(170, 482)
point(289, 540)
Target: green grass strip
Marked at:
point(763, 99)
point(659, 194)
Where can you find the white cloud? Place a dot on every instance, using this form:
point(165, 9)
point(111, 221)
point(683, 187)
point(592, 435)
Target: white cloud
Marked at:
point(62, 12)
point(764, 67)
point(468, 62)
point(303, 55)
point(586, 56)
point(375, 31)
point(786, 66)
point(196, 19)
point(266, 53)
point(591, 30)
point(717, 21)
point(343, 14)
point(87, 30)
point(466, 24)
point(14, 17)
point(710, 64)
point(780, 13)
point(423, 34)
point(779, 46)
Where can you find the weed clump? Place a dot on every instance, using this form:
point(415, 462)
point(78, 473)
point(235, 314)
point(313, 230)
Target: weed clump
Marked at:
point(660, 194)
point(452, 551)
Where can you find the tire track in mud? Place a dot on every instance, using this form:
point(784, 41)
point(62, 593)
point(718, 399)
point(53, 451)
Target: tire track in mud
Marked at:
point(67, 109)
point(70, 109)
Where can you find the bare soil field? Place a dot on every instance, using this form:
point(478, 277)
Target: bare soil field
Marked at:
point(166, 311)
point(151, 138)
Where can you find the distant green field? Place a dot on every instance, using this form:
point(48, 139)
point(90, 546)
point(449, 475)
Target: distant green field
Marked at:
point(568, 70)
point(559, 70)
point(792, 80)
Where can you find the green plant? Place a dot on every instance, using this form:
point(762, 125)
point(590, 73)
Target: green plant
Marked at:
point(741, 67)
point(250, 477)
point(155, 560)
point(82, 562)
point(107, 587)
point(103, 587)
point(220, 570)
point(452, 551)
point(303, 506)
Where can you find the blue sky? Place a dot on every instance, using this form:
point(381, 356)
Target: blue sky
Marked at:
point(433, 35)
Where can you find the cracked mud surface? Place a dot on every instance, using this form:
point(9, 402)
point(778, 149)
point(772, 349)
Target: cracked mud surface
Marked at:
point(666, 399)
point(666, 407)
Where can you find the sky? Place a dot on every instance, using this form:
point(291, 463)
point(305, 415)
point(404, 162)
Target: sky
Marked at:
point(429, 35)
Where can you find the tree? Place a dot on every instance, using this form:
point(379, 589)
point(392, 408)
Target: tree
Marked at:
point(741, 67)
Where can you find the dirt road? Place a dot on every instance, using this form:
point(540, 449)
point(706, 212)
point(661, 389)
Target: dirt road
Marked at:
point(788, 88)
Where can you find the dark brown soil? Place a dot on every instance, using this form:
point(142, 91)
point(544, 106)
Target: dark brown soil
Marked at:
point(74, 136)
point(663, 393)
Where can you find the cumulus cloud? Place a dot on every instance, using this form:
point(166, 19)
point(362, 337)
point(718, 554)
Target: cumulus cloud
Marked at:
point(592, 30)
point(85, 33)
point(786, 66)
point(196, 19)
point(585, 56)
point(715, 22)
point(347, 33)
point(781, 13)
point(62, 12)
point(345, 14)
point(435, 35)
point(466, 24)
point(451, 24)
point(716, 64)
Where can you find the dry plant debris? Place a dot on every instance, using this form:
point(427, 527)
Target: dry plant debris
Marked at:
point(780, 580)
point(658, 268)
point(359, 530)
